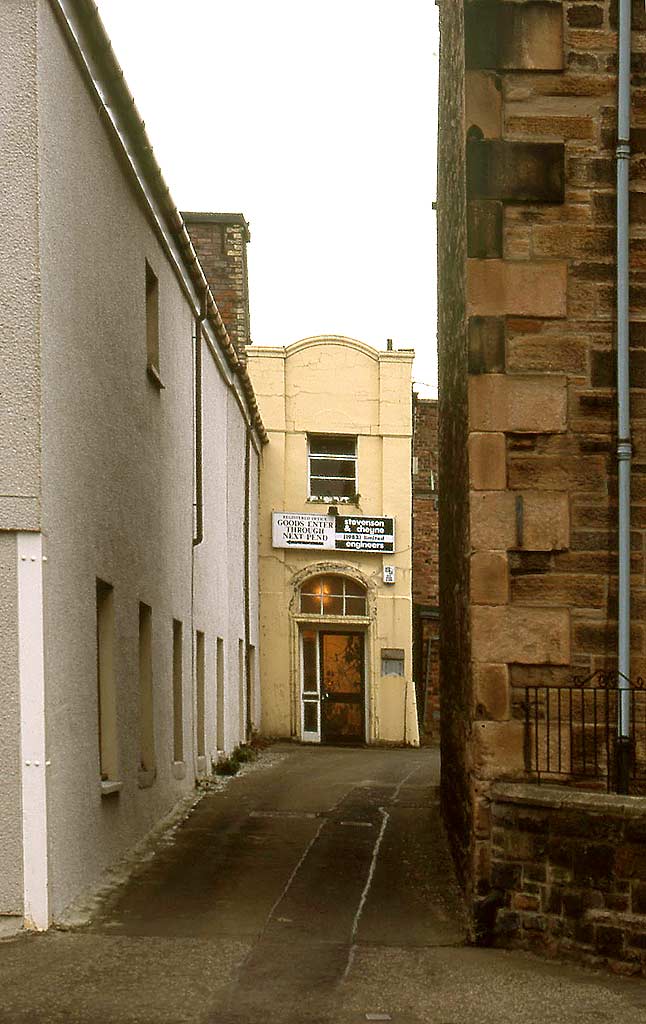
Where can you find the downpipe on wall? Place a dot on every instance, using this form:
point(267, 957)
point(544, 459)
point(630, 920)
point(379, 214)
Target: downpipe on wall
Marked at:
point(624, 446)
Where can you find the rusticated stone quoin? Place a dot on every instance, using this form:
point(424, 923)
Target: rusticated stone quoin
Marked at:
point(484, 229)
point(507, 36)
point(516, 172)
point(503, 402)
point(532, 636)
point(486, 344)
point(522, 288)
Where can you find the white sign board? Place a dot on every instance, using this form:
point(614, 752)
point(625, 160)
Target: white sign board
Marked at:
point(293, 530)
point(389, 573)
point(332, 533)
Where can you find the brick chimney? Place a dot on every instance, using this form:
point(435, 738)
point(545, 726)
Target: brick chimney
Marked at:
point(220, 241)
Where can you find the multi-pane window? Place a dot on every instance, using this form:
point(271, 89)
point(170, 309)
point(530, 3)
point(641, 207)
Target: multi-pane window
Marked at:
point(332, 466)
point(333, 595)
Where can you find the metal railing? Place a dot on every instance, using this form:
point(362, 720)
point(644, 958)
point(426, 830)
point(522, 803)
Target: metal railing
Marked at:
point(571, 732)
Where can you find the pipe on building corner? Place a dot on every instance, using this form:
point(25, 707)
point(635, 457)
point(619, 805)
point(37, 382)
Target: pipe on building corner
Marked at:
point(624, 446)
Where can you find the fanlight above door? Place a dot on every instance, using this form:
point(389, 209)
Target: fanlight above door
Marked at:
point(332, 595)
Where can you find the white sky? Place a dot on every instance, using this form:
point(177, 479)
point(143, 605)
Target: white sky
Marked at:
point(317, 121)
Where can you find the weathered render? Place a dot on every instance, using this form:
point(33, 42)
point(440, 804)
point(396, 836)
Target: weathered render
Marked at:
point(528, 478)
point(128, 531)
point(336, 386)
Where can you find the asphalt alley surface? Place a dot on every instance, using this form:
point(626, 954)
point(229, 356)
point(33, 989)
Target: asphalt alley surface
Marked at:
point(315, 888)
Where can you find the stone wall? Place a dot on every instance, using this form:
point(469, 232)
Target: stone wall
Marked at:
point(536, 148)
point(456, 789)
point(569, 874)
point(426, 631)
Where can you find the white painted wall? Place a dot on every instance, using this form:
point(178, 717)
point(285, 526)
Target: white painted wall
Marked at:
point(117, 491)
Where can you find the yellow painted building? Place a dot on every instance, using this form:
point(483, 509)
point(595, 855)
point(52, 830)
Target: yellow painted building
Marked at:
point(335, 542)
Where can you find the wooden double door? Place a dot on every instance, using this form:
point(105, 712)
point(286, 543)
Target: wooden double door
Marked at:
point(333, 694)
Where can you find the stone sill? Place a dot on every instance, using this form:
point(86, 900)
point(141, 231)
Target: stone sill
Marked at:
point(336, 620)
point(146, 777)
point(559, 797)
point(154, 377)
point(110, 787)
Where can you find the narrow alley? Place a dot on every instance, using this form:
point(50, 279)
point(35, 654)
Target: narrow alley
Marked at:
point(315, 887)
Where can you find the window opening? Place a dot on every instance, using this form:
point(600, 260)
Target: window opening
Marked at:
point(107, 704)
point(333, 595)
point(241, 692)
point(219, 697)
point(152, 325)
point(146, 717)
point(178, 692)
point(332, 462)
point(200, 665)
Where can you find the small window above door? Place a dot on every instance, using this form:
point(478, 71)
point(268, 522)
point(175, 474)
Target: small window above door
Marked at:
point(333, 595)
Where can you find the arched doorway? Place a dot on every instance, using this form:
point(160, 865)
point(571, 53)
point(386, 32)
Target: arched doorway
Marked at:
point(333, 659)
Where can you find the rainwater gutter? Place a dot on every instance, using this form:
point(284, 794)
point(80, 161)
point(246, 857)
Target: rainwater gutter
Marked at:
point(624, 446)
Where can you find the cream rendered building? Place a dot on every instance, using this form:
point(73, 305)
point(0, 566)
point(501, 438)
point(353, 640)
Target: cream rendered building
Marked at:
point(335, 637)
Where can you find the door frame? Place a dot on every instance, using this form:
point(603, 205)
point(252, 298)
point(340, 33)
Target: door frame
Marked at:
point(362, 702)
point(318, 627)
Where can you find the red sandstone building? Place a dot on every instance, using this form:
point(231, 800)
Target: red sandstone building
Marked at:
point(541, 279)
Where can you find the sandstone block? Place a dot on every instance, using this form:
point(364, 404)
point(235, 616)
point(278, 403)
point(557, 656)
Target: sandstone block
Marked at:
point(484, 103)
point(546, 521)
point(514, 36)
point(491, 691)
point(560, 588)
point(487, 462)
point(521, 288)
point(516, 172)
point(502, 402)
point(498, 749)
point(512, 633)
point(489, 578)
point(560, 353)
point(492, 520)
point(528, 520)
point(486, 343)
point(484, 229)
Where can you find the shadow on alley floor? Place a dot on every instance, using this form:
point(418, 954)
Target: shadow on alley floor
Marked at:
point(316, 888)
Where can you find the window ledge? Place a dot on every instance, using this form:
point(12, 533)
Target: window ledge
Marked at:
point(146, 777)
point(332, 501)
point(110, 787)
point(359, 620)
point(179, 769)
point(154, 378)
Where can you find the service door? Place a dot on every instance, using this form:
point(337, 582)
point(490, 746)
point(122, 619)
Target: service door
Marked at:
point(342, 687)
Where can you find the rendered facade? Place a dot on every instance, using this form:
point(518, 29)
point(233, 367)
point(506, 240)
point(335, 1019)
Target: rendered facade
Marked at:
point(540, 282)
point(335, 542)
point(130, 450)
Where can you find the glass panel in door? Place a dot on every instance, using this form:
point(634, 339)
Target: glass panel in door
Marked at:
point(342, 687)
